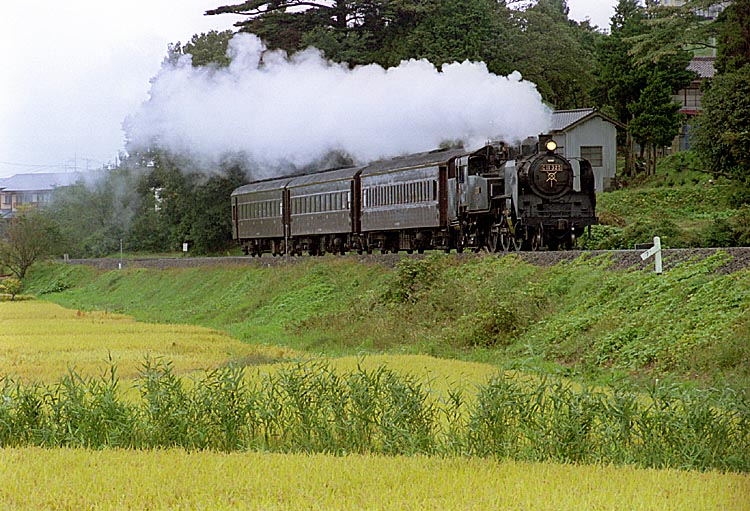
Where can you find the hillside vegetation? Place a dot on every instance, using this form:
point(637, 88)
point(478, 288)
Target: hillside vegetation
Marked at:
point(681, 204)
point(578, 318)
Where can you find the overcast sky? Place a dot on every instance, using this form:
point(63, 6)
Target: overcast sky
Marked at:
point(74, 70)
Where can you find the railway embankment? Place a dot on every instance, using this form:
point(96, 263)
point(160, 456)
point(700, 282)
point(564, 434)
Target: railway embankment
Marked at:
point(618, 259)
point(587, 318)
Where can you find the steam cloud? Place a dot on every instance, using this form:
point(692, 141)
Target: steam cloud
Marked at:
point(276, 109)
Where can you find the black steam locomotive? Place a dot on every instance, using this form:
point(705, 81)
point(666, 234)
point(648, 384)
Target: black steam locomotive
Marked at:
point(495, 198)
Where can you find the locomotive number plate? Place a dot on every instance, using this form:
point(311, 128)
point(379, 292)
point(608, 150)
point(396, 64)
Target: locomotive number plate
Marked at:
point(552, 167)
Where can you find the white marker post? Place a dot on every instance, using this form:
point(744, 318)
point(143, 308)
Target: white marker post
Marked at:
point(656, 252)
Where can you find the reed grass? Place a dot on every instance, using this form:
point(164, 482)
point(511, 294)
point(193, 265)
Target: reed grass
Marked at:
point(309, 407)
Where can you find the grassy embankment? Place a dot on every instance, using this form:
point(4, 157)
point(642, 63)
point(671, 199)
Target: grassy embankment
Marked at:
point(685, 207)
point(578, 319)
point(686, 328)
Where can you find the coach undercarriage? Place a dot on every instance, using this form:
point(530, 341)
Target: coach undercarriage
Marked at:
point(500, 235)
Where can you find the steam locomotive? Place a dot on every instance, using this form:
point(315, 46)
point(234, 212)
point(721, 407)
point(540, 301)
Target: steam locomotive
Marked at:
point(496, 198)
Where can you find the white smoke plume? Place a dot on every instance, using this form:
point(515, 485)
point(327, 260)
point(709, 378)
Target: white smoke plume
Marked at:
point(274, 108)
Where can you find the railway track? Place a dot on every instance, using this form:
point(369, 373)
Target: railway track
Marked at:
point(620, 259)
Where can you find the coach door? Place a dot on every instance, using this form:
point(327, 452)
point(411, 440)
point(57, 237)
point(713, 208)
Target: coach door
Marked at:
point(235, 220)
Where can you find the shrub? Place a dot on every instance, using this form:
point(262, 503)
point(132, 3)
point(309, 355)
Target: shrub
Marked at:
point(11, 286)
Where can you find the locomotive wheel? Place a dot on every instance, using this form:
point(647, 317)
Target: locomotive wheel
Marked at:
point(505, 241)
point(494, 238)
point(537, 239)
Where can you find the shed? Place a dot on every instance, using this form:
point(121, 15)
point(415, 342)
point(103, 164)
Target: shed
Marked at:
point(590, 134)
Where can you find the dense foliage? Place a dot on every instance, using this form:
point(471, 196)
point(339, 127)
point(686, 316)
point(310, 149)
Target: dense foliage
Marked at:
point(311, 408)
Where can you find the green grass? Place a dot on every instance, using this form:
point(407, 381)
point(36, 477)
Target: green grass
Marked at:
point(685, 207)
point(313, 408)
point(578, 318)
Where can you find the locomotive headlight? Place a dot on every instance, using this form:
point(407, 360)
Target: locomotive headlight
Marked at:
point(551, 146)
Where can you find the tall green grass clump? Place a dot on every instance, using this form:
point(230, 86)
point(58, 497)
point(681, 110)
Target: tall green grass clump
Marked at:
point(310, 408)
point(545, 420)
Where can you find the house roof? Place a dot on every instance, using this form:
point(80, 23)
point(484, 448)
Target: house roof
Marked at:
point(704, 66)
point(39, 182)
point(563, 120)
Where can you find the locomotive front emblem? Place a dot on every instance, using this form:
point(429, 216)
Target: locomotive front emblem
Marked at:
point(551, 169)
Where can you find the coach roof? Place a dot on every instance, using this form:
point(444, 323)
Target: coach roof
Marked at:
point(263, 186)
point(414, 160)
point(325, 176)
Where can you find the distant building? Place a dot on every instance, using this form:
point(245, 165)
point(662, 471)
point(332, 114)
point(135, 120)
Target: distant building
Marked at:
point(588, 133)
point(712, 12)
point(690, 98)
point(31, 189)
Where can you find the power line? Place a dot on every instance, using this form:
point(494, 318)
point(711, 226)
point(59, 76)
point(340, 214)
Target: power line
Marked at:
point(69, 165)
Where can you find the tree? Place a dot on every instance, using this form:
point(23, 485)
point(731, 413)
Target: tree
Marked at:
point(92, 217)
point(733, 31)
point(204, 49)
point(352, 31)
point(458, 30)
point(637, 90)
point(556, 53)
point(655, 119)
point(722, 136)
point(29, 237)
point(211, 218)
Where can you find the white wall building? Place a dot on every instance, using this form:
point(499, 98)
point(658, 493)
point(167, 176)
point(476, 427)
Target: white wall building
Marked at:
point(587, 133)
